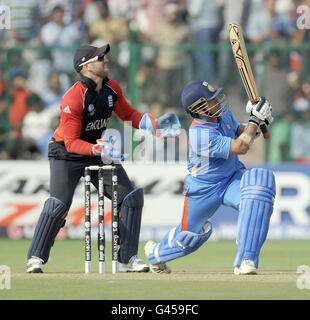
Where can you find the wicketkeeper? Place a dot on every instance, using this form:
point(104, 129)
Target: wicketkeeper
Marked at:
point(217, 177)
point(85, 112)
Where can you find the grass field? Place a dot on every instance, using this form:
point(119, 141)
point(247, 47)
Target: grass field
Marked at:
point(204, 275)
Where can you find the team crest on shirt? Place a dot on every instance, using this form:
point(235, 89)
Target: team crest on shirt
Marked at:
point(91, 109)
point(228, 126)
point(110, 101)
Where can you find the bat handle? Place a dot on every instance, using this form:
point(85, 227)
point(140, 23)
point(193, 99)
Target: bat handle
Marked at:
point(264, 131)
point(263, 126)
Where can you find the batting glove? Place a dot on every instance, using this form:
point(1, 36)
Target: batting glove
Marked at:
point(260, 112)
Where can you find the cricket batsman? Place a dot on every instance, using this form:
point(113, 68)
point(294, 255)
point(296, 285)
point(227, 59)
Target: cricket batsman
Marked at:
point(86, 109)
point(217, 177)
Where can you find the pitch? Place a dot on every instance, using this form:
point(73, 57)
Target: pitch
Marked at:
point(204, 275)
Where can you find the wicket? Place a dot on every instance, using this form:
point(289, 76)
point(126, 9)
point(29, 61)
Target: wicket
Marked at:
point(101, 227)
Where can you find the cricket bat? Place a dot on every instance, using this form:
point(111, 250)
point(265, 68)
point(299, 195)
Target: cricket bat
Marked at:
point(244, 67)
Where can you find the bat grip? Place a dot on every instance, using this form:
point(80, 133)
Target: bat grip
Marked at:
point(263, 126)
point(264, 131)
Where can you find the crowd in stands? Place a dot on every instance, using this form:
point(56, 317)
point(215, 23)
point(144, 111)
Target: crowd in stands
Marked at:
point(36, 66)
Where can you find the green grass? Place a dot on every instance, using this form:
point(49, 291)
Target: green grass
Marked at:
point(203, 275)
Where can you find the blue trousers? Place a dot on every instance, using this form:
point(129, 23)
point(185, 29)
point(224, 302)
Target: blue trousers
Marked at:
point(202, 200)
point(251, 192)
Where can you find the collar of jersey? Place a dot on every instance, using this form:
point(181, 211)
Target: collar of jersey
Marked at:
point(91, 84)
point(206, 123)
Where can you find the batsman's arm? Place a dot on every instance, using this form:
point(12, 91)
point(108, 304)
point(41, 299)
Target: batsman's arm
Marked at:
point(241, 129)
point(242, 143)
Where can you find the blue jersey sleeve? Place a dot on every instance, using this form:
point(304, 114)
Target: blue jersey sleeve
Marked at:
point(234, 122)
point(209, 143)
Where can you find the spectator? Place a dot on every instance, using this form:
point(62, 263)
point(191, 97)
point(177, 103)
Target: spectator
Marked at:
point(25, 20)
point(37, 126)
point(171, 61)
point(300, 60)
point(282, 25)
point(5, 34)
point(25, 25)
point(57, 33)
point(18, 109)
point(300, 133)
point(4, 123)
point(53, 94)
point(112, 30)
point(2, 83)
point(91, 12)
point(17, 65)
point(279, 150)
point(16, 146)
point(115, 31)
point(231, 11)
point(148, 16)
point(204, 20)
point(72, 9)
point(257, 29)
point(124, 8)
point(38, 74)
point(282, 30)
point(19, 148)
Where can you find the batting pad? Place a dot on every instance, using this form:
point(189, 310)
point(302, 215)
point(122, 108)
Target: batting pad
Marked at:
point(129, 224)
point(257, 196)
point(177, 245)
point(52, 218)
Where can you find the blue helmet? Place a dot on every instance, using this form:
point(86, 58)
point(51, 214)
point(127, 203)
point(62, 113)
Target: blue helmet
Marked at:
point(196, 92)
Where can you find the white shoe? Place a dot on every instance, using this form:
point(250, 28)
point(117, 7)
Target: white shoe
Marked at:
point(155, 268)
point(135, 264)
point(34, 265)
point(246, 267)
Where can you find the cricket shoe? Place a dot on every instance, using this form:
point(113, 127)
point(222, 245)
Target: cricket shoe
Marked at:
point(34, 265)
point(135, 264)
point(246, 267)
point(155, 268)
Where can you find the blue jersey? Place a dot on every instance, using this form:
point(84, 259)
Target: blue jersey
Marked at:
point(209, 149)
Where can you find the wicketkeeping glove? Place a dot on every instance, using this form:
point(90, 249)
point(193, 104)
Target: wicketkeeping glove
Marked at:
point(169, 125)
point(166, 126)
point(108, 152)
